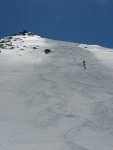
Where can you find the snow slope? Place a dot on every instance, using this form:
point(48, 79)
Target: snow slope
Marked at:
point(49, 101)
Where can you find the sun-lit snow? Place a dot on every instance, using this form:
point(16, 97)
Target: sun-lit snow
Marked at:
point(49, 101)
point(103, 54)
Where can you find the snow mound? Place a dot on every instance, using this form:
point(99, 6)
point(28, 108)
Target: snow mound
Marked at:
point(50, 101)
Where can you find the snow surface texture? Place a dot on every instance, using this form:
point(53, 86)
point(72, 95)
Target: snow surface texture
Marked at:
point(49, 101)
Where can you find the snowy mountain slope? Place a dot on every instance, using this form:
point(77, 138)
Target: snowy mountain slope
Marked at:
point(49, 101)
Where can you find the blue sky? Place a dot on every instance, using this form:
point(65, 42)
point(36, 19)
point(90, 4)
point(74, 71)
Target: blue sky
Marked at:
point(82, 21)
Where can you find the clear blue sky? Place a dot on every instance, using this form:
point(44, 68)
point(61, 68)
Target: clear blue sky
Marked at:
point(83, 21)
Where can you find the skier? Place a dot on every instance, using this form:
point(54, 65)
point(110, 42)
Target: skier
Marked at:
point(84, 64)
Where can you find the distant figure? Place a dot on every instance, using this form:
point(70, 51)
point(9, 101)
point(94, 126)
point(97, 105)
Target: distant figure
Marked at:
point(84, 64)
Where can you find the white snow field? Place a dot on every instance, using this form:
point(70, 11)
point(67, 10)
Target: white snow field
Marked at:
point(49, 101)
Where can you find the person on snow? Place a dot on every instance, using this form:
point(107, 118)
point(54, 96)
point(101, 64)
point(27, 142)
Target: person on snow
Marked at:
point(84, 64)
